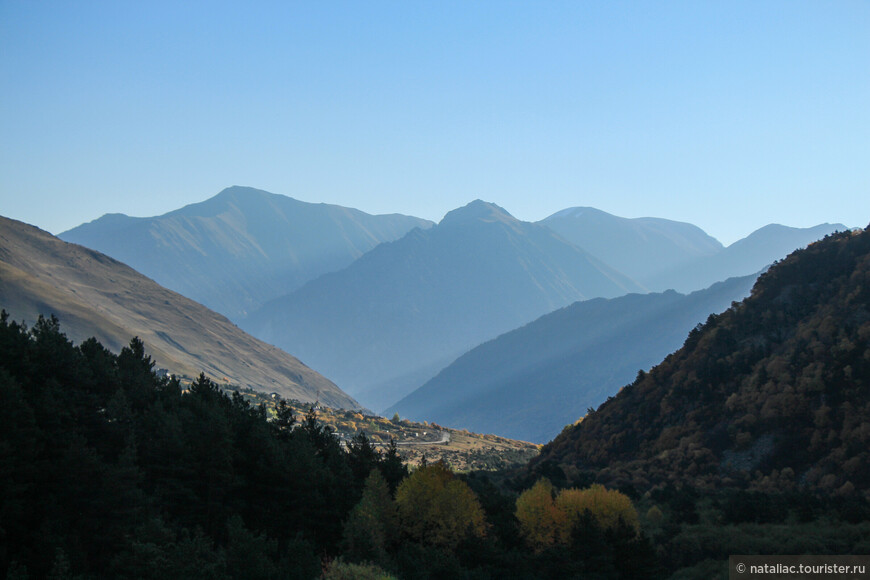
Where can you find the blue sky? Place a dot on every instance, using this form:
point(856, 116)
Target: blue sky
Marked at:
point(729, 115)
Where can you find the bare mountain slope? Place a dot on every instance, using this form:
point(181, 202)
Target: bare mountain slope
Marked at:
point(241, 247)
point(95, 295)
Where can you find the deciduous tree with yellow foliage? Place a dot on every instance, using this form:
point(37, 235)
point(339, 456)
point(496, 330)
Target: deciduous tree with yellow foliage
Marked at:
point(545, 521)
point(607, 506)
point(542, 523)
point(436, 508)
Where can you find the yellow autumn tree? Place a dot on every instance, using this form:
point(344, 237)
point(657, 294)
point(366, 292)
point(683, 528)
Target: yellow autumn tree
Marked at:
point(542, 522)
point(438, 509)
point(606, 506)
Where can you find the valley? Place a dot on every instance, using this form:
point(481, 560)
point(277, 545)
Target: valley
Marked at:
point(434, 290)
point(727, 414)
point(533, 381)
point(750, 437)
point(381, 304)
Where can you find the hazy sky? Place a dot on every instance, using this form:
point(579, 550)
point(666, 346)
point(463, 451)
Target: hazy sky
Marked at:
point(729, 115)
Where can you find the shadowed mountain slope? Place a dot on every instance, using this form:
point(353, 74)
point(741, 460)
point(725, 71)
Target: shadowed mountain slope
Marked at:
point(95, 295)
point(396, 316)
point(529, 383)
point(772, 394)
point(242, 247)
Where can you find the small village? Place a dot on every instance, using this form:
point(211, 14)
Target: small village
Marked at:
point(416, 442)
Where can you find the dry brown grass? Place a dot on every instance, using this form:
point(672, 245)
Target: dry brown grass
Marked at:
point(94, 295)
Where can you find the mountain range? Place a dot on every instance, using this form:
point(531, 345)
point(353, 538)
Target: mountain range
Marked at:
point(529, 383)
point(242, 247)
point(750, 254)
point(381, 304)
point(770, 395)
point(95, 295)
point(400, 313)
point(663, 254)
point(643, 248)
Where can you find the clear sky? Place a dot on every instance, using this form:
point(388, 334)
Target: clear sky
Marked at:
point(729, 115)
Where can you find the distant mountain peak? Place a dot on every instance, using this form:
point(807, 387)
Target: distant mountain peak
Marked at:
point(242, 247)
point(575, 212)
point(236, 196)
point(236, 192)
point(477, 211)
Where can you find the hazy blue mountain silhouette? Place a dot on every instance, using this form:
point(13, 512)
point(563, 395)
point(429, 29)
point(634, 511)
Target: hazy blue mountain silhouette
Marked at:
point(642, 248)
point(663, 254)
point(754, 252)
point(393, 318)
point(242, 247)
point(529, 383)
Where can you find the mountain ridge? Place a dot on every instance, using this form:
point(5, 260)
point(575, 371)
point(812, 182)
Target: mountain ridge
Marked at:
point(638, 247)
point(664, 254)
point(752, 253)
point(533, 380)
point(241, 247)
point(440, 291)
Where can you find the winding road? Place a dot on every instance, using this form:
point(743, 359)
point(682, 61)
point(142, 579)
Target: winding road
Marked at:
point(445, 438)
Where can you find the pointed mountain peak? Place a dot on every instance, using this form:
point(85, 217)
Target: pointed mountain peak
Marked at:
point(477, 211)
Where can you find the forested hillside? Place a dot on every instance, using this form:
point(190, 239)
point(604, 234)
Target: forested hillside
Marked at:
point(773, 394)
point(110, 471)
